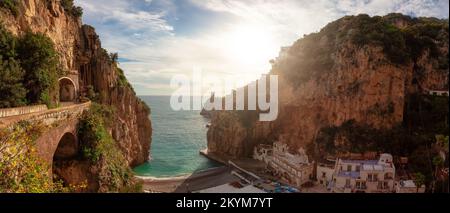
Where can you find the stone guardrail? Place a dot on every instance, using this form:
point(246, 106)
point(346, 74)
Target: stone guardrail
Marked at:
point(48, 117)
point(7, 112)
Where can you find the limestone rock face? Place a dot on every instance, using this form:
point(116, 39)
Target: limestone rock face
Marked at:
point(50, 19)
point(362, 85)
point(133, 129)
point(81, 54)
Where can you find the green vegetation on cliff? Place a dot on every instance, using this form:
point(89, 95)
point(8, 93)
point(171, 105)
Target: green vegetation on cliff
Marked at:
point(122, 80)
point(12, 91)
point(11, 5)
point(39, 59)
point(29, 70)
point(99, 147)
point(69, 7)
point(21, 170)
point(402, 38)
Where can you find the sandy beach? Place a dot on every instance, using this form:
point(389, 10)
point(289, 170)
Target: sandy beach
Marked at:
point(188, 183)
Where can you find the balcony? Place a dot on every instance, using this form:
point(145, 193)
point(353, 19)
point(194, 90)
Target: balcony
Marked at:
point(361, 187)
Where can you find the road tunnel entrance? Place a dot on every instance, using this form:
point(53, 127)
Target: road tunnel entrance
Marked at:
point(67, 90)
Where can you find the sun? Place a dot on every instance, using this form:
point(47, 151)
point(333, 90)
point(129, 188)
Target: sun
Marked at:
point(252, 47)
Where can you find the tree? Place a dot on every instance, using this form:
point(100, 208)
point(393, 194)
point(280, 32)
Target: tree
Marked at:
point(67, 4)
point(7, 44)
point(114, 57)
point(11, 5)
point(39, 59)
point(442, 141)
point(438, 163)
point(73, 10)
point(419, 180)
point(77, 11)
point(12, 91)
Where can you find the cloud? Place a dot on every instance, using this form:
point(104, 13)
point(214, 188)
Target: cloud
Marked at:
point(297, 17)
point(160, 38)
point(125, 14)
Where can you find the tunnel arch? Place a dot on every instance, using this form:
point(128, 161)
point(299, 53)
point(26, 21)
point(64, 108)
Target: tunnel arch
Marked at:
point(67, 90)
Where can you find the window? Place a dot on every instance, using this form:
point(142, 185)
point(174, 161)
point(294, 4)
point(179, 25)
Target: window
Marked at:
point(383, 185)
point(372, 177)
point(349, 168)
point(358, 168)
point(388, 176)
point(347, 183)
point(324, 174)
point(361, 185)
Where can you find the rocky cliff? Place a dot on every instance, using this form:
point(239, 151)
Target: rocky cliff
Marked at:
point(84, 60)
point(133, 129)
point(358, 69)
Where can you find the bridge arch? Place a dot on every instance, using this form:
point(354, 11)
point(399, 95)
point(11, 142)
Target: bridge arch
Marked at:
point(68, 147)
point(64, 158)
point(67, 90)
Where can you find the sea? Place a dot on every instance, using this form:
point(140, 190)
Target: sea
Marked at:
point(177, 138)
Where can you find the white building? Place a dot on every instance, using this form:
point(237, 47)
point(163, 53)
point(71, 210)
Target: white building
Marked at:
point(408, 186)
point(324, 174)
point(263, 153)
point(438, 92)
point(293, 168)
point(370, 176)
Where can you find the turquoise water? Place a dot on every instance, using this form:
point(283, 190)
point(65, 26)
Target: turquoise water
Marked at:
point(178, 136)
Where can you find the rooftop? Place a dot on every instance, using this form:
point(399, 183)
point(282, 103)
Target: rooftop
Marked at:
point(407, 184)
point(364, 162)
point(353, 175)
point(373, 167)
point(292, 161)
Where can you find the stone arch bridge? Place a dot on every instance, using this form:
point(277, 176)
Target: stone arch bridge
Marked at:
point(59, 141)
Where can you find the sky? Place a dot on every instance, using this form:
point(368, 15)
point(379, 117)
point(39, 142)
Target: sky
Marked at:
point(158, 39)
